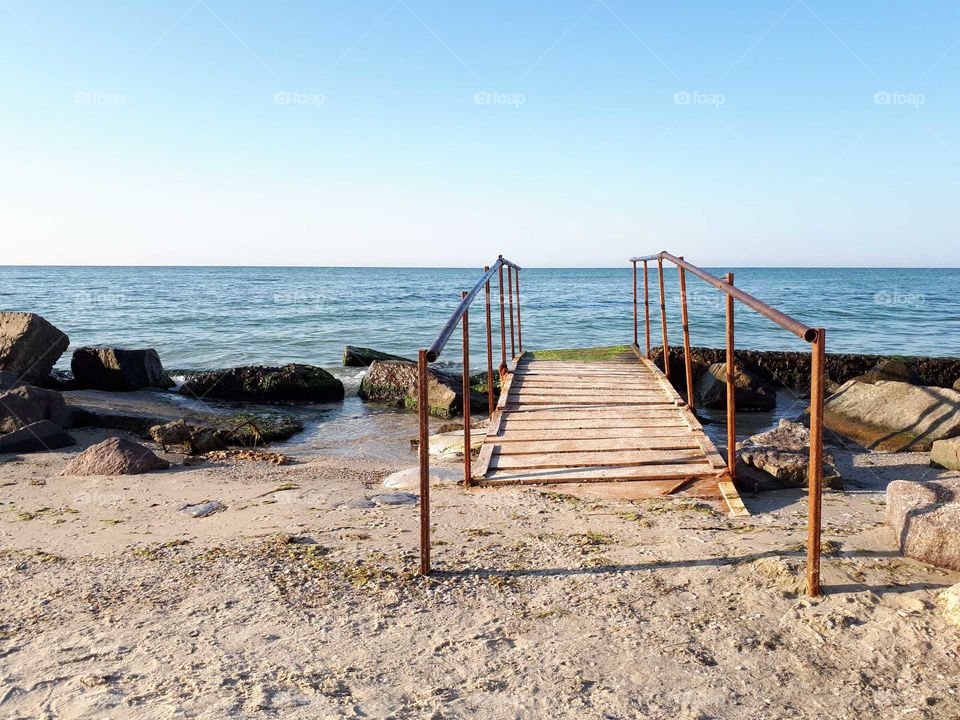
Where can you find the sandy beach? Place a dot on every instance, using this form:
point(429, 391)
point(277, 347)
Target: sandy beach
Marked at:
point(300, 600)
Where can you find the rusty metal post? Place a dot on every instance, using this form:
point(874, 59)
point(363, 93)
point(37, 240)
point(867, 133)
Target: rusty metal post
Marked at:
point(513, 351)
point(815, 480)
point(519, 326)
point(503, 323)
point(646, 306)
point(423, 411)
point(466, 395)
point(731, 390)
point(663, 321)
point(636, 337)
point(486, 292)
point(686, 336)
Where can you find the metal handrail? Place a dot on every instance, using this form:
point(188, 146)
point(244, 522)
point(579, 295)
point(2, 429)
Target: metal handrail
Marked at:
point(426, 356)
point(815, 336)
point(433, 352)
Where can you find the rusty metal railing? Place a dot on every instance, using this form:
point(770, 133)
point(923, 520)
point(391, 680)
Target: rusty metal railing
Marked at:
point(815, 336)
point(461, 316)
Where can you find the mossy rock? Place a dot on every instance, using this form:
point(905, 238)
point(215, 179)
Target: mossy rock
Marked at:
point(289, 383)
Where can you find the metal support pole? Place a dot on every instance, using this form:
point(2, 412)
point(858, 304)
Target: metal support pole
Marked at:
point(503, 325)
point(646, 306)
point(731, 390)
point(490, 399)
point(815, 480)
point(423, 410)
point(686, 337)
point(519, 326)
point(513, 351)
point(466, 395)
point(636, 337)
point(663, 322)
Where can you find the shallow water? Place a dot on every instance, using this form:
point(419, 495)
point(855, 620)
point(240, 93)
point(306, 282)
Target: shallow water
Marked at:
point(219, 317)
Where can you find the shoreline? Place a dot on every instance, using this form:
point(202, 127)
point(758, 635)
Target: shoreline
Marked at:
point(299, 601)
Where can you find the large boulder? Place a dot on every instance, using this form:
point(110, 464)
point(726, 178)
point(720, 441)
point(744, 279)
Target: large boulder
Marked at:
point(9, 380)
point(26, 404)
point(29, 345)
point(892, 370)
point(365, 357)
point(893, 416)
point(956, 385)
point(946, 453)
point(784, 454)
point(36, 437)
point(394, 382)
point(751, 392)
point(101, 368)
point(925, 517)
point(290, 383)
point(115, 456)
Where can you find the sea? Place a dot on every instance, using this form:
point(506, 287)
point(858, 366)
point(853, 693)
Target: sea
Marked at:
point(213, 317)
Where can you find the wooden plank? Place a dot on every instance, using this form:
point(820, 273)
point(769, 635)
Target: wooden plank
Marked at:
point(604, 433)
point(675, 423)
point(603, 458)
point(595, 474)
point(562, 400)
point(505, 446)
point(598, 383)
point(587, 412)
point(597, 394)
point(732, 498)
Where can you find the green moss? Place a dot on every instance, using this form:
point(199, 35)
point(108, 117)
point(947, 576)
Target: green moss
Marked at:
point(610, 352)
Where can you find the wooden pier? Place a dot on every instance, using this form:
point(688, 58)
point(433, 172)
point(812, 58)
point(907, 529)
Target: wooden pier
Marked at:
point(599, 422)
point(610, 423)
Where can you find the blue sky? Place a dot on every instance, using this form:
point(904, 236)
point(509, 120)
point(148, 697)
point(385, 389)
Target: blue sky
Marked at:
point(418, 132)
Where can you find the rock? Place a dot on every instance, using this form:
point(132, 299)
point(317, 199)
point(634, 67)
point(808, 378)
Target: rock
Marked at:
point(394, 382)
point(115, 456)
point(171, 433)
point(946, 453)
point(290, 383)
point(752, 393)
point(200, 510)
point(394, 498)
point(26, 404)
point(893, 416)
point(784, 454)
point(206, 440)
point(36, 437)
point(449, 446)
point(9, 380)
point(357, 504)
point(956, 385)
point(101, 368)
point(949, 602)
point(365, 357)
point(409, 479)
point(925, 517)
point(139, 411)
point(894, 370)
point(29, 345)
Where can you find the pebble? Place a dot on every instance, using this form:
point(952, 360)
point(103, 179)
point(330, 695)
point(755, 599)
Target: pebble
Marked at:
point(395, 498)
point(200, 510)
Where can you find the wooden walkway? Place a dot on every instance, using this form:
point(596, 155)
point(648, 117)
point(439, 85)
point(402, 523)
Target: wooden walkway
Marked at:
point(596, 422)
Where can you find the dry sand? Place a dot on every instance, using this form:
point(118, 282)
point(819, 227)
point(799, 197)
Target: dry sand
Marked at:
point(115, 604)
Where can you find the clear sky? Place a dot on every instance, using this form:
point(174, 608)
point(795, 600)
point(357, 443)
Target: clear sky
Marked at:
point(429, 132)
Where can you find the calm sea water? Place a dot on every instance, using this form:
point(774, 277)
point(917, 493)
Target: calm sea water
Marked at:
point(218, 317)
